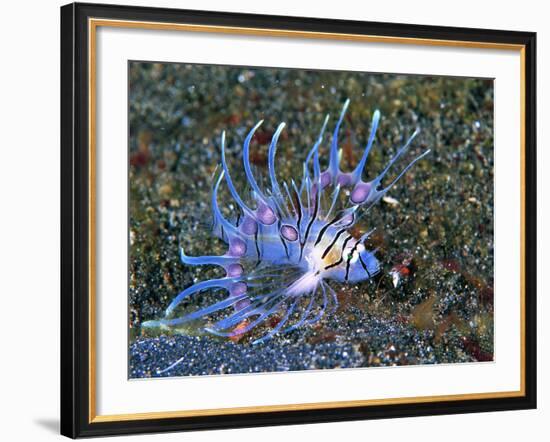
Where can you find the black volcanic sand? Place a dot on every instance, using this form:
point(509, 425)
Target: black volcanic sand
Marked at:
point(436, 227)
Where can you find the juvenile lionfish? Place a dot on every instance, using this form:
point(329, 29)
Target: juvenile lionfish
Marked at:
point(283, 250)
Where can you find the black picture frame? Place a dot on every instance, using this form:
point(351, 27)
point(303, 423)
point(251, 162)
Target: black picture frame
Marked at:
point(75, 221)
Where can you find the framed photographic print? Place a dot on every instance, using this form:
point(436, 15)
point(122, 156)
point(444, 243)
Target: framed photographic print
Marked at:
point(278, 220)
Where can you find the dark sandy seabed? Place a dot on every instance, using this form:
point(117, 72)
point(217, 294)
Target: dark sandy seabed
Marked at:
point(435, 230)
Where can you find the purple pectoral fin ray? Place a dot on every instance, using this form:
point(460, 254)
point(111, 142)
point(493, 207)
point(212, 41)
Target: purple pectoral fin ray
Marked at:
point(335, 195)
point(203, 285)
point(246, 162)
point(334, 160)
point(282, 322)
point(334, 299)
point(377, 194)
point(300, 207)
point(315, 148)
point(322, 310)
point(271, 161)
point(317, 169)
point(290, 199)
point(318, 142)
point(241, 331)
point(369, 193)
point(228, 302)
point(207, 259)
point(356, 174)
point(261, 311)
point(404, 171)
point(303, 316)
point(229, 181)
point(258, 306)
point(218, 217)
point(234, 318)
point(397, 156)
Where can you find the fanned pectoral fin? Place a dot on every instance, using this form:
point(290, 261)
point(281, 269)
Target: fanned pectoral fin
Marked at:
point(253, 297)
point(293, 310)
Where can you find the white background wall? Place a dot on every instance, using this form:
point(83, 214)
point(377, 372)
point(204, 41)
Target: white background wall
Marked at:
point(29, 219)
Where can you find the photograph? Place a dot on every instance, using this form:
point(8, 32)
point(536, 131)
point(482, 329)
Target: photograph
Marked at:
point(274, 221)
point(281, 220)
point(284, 219)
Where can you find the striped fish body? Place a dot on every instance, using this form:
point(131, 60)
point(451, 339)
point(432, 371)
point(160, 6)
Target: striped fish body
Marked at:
point(288, 243)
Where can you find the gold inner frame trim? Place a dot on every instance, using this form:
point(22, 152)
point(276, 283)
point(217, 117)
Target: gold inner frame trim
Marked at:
point(93, 24)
